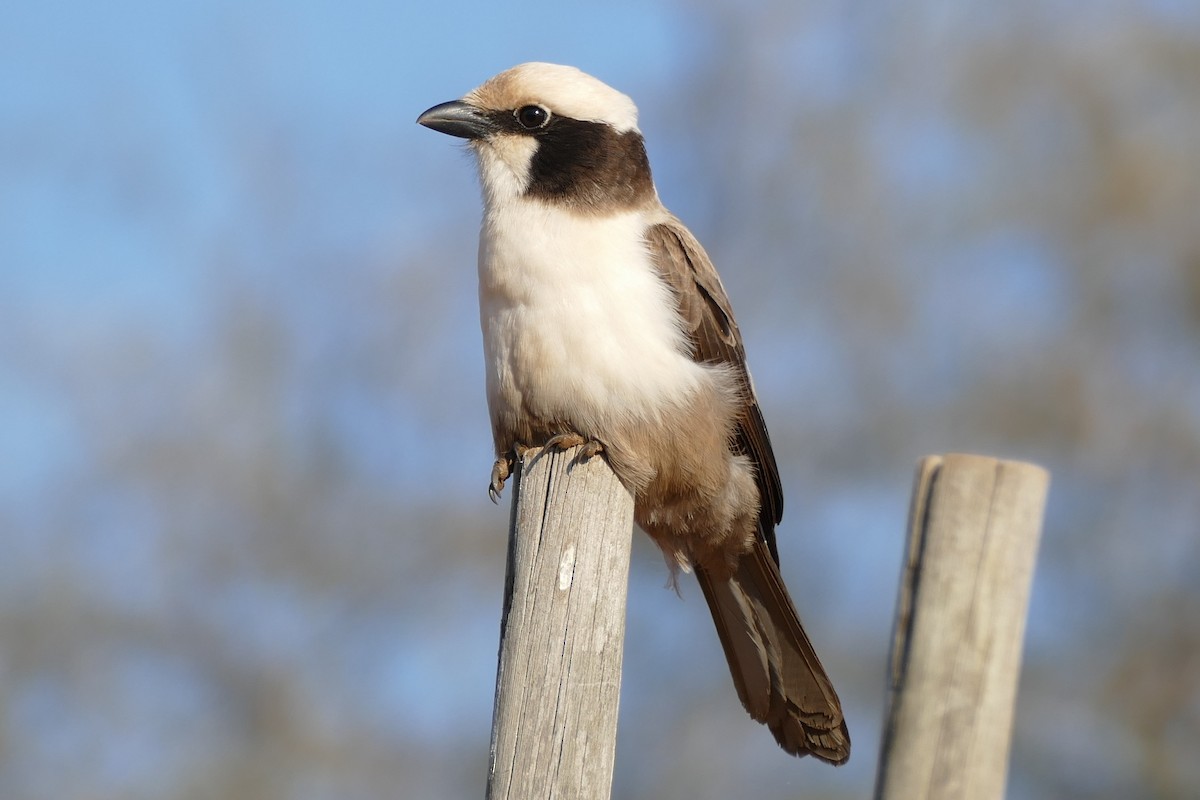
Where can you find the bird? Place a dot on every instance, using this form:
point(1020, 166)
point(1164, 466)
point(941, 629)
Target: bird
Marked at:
point(606, 325)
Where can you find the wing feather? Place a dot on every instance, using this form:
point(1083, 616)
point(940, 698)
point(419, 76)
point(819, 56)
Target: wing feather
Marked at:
point(714, 337)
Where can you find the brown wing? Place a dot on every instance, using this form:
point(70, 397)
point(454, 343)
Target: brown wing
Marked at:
point(775, 669)
point(714, 336)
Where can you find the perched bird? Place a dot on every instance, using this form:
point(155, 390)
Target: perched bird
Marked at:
point(605, 324)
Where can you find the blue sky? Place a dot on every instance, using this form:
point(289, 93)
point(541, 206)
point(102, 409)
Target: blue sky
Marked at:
point(117, 168)
point(88, 84)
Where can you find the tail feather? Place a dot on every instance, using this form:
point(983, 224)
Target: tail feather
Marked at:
point(778, 676)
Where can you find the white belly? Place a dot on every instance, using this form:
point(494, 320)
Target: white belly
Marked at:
point(577, 326)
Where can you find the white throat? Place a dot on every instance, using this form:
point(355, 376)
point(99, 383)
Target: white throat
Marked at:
point(504, 163)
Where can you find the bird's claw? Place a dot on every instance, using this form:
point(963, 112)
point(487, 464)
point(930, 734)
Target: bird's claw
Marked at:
point(500, 472)
point(565, 441)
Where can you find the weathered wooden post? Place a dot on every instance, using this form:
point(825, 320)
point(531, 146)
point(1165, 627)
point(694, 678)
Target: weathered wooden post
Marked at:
point(973, 534)
point(562, 632)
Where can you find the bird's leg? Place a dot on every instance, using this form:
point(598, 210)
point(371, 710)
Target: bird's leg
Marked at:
point(565, 441)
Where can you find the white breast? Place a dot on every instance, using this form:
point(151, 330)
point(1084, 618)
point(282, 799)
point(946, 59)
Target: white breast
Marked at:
point(576, 324)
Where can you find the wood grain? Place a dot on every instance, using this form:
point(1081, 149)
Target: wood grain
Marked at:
point(562, 631)
point(956, 652)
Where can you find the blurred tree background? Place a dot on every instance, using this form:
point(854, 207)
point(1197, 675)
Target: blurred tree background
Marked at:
point(247, 551)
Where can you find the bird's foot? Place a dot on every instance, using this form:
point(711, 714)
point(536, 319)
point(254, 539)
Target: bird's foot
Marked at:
point(500, 472)
point(503, 467)
point(565, 441)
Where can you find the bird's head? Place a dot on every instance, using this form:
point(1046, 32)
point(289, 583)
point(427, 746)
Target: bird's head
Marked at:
point(551, 133)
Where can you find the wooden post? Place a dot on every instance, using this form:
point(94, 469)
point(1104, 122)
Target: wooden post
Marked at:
point(973, 534)
point(562, 632)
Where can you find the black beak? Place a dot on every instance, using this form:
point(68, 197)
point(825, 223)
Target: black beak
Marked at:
point(458, 119)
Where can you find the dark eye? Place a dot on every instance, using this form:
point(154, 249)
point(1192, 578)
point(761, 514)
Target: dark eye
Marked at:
point(532, 117)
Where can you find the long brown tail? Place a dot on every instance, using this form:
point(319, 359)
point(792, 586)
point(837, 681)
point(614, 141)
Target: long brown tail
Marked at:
point(777, 673)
